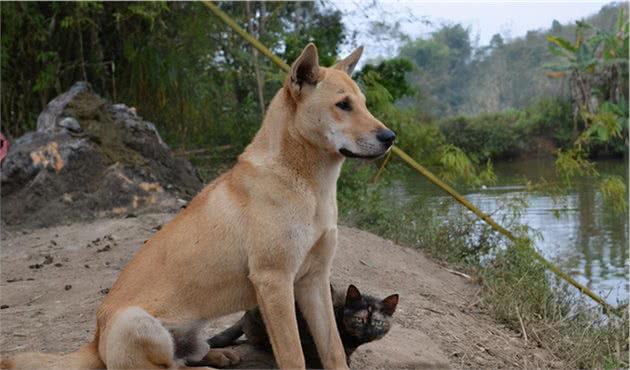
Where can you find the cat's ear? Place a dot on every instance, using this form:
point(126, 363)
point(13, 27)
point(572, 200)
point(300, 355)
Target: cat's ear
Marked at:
point(352, 295)
point(390, 303)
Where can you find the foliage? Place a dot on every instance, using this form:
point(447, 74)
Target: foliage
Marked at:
point(511, 133)
point(422, 141)
point(176, 63)
point(597, 67)
point(614, 190)
point(454, 76)
point(441, 72)
point(392, 75)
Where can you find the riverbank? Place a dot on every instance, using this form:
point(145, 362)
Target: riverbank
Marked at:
point(517, 290)
point(53, 280)
point(576, 228)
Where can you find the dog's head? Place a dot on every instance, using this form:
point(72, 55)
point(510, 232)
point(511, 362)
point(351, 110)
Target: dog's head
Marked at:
point(330, 109)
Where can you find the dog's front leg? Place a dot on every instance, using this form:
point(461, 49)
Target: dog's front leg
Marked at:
point(315, 301)
point(274, 293)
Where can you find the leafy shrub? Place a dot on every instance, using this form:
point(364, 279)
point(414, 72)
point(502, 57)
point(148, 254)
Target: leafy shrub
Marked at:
point(488, 135)
point(510, 133)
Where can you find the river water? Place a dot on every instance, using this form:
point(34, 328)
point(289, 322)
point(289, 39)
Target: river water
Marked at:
point(577, 230)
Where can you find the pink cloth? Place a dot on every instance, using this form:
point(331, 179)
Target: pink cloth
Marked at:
point(4, 147)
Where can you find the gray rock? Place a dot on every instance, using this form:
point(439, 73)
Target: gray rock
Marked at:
point(47, 120)
point(89, 159)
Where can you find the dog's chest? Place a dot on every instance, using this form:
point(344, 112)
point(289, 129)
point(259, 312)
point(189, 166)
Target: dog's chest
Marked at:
point(323, 220)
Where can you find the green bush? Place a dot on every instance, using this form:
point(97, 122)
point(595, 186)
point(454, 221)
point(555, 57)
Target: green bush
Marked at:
point(510, 133)
point(488, 135)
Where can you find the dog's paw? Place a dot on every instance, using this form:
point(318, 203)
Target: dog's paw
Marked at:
point(222, 357)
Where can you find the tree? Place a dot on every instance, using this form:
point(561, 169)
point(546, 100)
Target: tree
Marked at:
point(597, 67)
point(441, 68)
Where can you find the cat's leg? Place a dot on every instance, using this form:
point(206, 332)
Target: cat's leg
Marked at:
point(312, 292)
point(228, 336)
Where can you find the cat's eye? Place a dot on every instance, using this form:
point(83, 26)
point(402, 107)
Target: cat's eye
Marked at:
point(344, 105)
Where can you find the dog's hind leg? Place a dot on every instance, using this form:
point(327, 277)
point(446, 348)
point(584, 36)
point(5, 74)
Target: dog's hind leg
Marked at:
point(137, 340)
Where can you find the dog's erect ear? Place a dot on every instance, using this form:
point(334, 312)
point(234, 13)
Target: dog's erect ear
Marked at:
point(347, 65)
point(305, 70)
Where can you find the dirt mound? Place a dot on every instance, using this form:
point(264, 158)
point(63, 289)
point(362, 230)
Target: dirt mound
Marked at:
point(89, 158)
point(53, 280)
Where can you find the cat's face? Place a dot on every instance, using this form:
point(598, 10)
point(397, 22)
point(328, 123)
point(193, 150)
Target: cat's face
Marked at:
point(366, 318)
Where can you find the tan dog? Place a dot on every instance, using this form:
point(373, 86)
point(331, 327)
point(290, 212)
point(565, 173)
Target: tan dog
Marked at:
point(265, 232)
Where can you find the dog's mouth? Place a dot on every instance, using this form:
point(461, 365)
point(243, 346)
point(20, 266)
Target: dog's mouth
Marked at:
point(349, 154)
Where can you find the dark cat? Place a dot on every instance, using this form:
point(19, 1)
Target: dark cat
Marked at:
point(360, 319)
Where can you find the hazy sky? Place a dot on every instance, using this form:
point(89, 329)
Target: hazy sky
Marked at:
point(485, 18)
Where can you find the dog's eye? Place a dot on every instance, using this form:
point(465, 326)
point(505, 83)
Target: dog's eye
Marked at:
point(344, 105)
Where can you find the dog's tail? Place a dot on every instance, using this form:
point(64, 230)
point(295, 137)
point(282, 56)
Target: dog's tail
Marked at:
point(227, 336)
point(85, 358)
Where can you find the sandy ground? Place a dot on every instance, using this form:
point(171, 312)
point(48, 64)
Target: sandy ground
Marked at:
point(52, 281)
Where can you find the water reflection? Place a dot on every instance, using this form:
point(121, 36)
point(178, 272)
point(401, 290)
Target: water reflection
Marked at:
point(579, 230)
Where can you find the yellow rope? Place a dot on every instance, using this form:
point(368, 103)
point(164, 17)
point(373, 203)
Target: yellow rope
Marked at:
point(422, 170)
point(382, 168)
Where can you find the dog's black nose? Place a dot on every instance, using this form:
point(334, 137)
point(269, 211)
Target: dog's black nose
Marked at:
point(386, 136)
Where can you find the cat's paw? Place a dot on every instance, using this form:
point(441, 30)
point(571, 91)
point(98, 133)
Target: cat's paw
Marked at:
point(222, 357)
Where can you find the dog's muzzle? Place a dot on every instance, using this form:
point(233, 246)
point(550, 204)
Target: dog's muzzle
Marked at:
point(384, 136)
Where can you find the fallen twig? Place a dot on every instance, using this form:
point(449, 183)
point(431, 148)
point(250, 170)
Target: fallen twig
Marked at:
point(458, 273)
point(520, 319)
point(434, 311)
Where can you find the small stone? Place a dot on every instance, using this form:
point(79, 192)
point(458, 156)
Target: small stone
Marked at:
point(70, 124)
point(68, 287)
point(104, 249)
point(4, 306)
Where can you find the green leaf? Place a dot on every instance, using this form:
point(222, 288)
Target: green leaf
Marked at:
point(562, 43)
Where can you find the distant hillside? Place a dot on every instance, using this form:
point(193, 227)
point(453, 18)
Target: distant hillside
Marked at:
point(453, 77)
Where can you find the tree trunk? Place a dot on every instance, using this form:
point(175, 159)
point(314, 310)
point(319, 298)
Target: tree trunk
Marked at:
point(259, 79)
point(82, 55)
